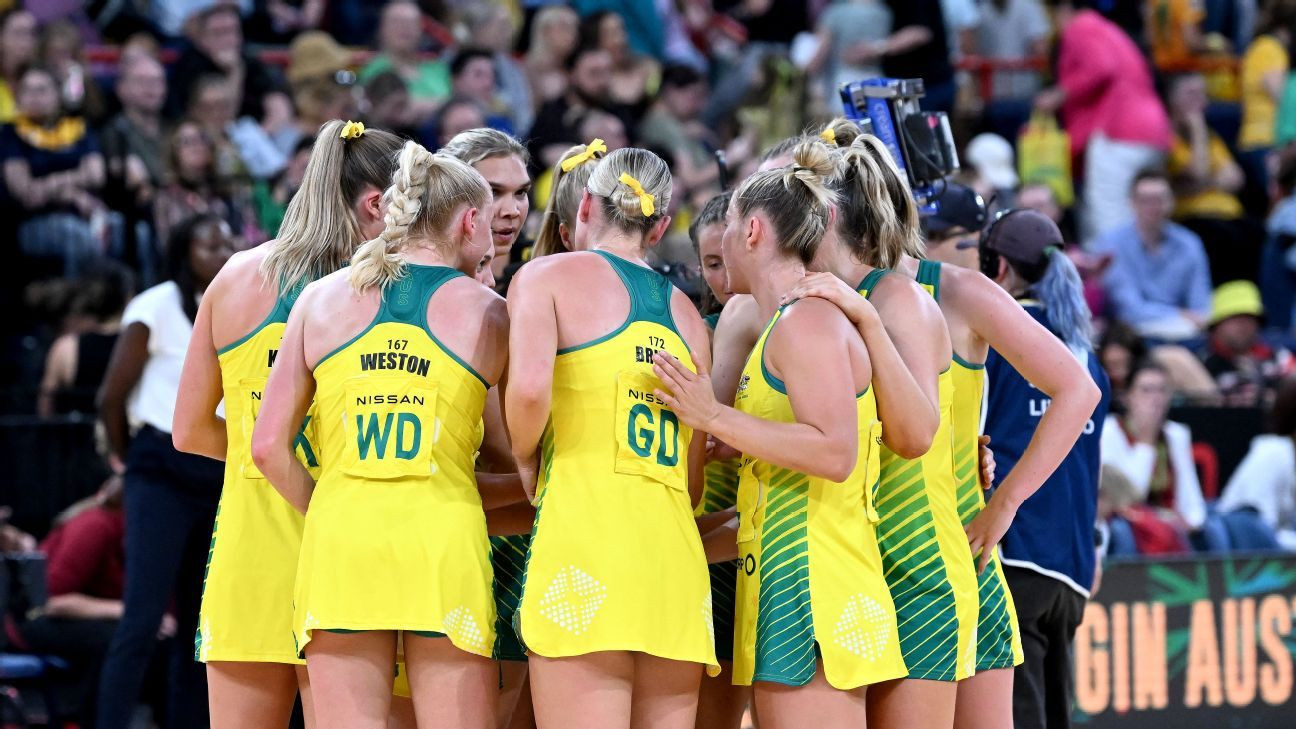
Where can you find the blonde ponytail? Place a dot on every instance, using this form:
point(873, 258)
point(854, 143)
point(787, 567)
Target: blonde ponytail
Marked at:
point(796, 199)
point(565, 190)
point(320, 230)
point(878, 216)
point(426, 191)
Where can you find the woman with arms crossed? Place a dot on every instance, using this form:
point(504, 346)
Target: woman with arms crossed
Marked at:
point(815, 624)
point(245, 625)
point(399, 352)
point(616, 606)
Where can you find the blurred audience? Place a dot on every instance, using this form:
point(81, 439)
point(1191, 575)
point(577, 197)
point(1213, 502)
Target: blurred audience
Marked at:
point(555, 32)
point(1262, 76)
point(850, 36)
point(1264, 483)
point(400, 39)
point(193, 185)
point(77, 360)
point(1159, 280)
point(1245, 367)
point(1014, 31)
point(634, 76)
point(18, 50)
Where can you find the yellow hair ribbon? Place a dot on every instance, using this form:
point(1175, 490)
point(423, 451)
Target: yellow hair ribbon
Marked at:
point(645, 200)
point(829, 135)
point(576, 160)
point(352, 129)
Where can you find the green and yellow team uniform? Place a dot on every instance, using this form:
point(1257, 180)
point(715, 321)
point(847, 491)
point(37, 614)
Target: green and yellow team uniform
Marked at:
point(246, 610)
point(929, 565)
point(810, 583)
point(616, 562)
point(508, 560)
point(998, 639)
point(395, 535)
point(720, 493)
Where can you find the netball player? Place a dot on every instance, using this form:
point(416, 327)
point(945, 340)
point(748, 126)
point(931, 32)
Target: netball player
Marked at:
point(398, 352)
point(503, 161)
point(720, 702)
point(815, 623)
point(982, 315)
point(616, 605)
point(245, 624)
point(566, 184)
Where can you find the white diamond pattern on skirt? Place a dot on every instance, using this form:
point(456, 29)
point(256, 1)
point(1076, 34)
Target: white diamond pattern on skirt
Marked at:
point(462, 628)
point(863, 628)
point(573, 599)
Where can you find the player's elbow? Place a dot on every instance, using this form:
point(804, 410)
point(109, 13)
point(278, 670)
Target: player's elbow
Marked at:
point(264, 446)
point(838, 463)
point(182, 434)
point(913, 441)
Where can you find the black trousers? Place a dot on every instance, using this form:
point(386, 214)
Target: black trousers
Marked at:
point(1044, 685)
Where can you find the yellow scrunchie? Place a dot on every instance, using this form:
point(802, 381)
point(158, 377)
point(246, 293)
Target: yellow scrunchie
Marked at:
point(594, 147)
point(352, 129)
point(645, 200)
point(829, 135)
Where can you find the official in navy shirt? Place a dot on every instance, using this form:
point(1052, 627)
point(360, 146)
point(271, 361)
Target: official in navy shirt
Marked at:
point(1049, 552)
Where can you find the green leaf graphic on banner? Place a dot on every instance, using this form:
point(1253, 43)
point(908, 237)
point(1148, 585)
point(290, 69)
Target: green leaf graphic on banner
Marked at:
point(1174, 588)
point(1256, 577)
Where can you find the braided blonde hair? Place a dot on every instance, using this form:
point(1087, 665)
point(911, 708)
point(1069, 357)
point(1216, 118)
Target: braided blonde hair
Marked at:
point(426, 192)
point(796, 199)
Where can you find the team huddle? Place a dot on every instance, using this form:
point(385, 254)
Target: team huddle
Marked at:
point(589, 505)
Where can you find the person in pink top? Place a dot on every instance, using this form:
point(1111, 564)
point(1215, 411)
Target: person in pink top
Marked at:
point(1110, 108)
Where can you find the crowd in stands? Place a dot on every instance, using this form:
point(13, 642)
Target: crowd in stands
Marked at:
point(1159, 134)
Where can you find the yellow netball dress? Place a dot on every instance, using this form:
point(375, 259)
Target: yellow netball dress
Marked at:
point(998, 639)
point(616, 561)
point(928, 562)
point(720, 493)
point(246, 610)
point(810, 583)
point(395, 535)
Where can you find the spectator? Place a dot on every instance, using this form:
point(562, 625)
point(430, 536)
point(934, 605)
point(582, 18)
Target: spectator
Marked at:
point(314, 55)
point(1111, 110)
point(1262, 76)
point(174, 17)
point(1245, 367)
point(170, 497)
point(961, 20)
point(1175, 33)
point(53, 168)
point(919, 48)
point(1159, 280)
point(216, 47)
point(633, 74)
point(1263, 485)
point(400, 33)
point(457, 115)
point(244, 150)
point(490, 26)
point(589, 74)
point(1206, 180)
point(388, 105)
point(1278, 262)
point(321, 84)
point(77, 360)
point(61, 52)
point(1155, 454)
point(953, 232)
point(472, 76)
point(132, 148)
point(1119, 350)
point(277, 22)
point(193, 186)
point(674, 123)
point(994, 161)
point(85, 577)
point(850, 35)
point(17, 52)
point(602, 125)
point(1013, 30)
point(770, 27)
point(554, 35)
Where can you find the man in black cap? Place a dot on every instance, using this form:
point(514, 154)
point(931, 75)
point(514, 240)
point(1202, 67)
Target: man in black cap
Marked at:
point(953, 232)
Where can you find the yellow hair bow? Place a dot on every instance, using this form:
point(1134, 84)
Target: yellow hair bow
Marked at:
point(829, 135)
point(594, 147)
point(645, 200)
point(352, 129)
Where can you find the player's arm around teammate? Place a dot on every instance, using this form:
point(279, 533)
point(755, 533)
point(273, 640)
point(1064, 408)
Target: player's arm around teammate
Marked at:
point(399, 351)
point(806, 421)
